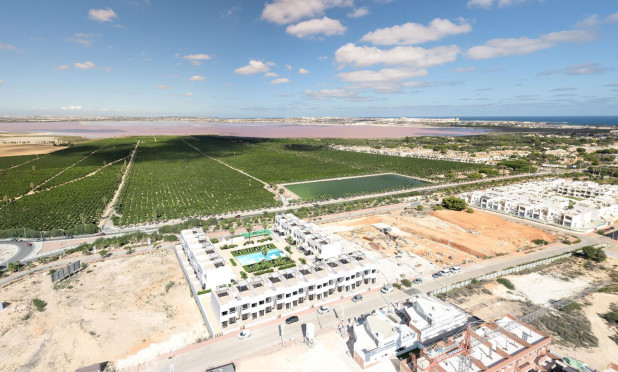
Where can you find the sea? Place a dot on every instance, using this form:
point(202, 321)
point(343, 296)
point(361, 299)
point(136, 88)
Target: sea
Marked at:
point(569, 120)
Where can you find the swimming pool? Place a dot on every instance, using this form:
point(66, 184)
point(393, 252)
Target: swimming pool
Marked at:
point(252, 258)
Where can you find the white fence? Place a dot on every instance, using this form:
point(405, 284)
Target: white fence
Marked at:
point(197, 298)
point(500, 273)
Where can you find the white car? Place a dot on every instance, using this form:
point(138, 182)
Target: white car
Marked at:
point(445, 272)
point(323, 309)
point(455, 269)
point(387, 288)
point(244, 334)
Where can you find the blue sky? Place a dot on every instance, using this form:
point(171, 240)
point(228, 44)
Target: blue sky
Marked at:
point(283, 58)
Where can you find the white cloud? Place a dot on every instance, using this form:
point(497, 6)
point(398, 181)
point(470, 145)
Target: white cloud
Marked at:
point(7, 47)
point(303, 71)
point(85, 65)
point(464, 69)
point(322, 58)
point(102, 15)
point(594, 20)
point(524, 45)
point(188, 94)
point(486, 4)
point(319, 26)
point(253, 67)
point(84, 42)
point(288, 67)
point(197, 78)
point(585, 69)
point(289, 11)
point(363, 56)
point(271, 75)
point(71, 108)
point(1, 81)
point(196, 59)
point(280, 81)
point(63, 67)
point(360, 12)
point(414, 33)
point(324, 94)
point(164, 87)
point(480, 3)
point(387, 80)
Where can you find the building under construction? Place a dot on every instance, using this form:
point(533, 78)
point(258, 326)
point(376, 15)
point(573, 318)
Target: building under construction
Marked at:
point(504, 345)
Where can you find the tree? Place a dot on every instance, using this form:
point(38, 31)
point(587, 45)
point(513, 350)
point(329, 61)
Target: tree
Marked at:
point(454, 203)
point(595, 254)
point(103, 253)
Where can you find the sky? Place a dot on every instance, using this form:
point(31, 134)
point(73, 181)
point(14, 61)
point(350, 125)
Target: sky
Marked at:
point(293, 58)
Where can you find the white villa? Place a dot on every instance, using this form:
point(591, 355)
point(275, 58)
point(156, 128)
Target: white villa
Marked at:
point(572, 204)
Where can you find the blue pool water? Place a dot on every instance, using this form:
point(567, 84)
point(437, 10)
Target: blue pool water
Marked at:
point(251, 258)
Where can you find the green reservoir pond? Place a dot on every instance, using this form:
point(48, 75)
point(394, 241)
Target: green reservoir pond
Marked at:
point(339, 188)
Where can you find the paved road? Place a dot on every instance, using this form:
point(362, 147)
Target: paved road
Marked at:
point(266, 336)
point(23, 251)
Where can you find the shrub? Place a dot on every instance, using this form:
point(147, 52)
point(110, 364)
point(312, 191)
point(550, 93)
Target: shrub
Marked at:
point(540, 242)
point(243, 275)
point(203, 292)
point(168, 286)
point(407, 283)
point(595, 254)
point(39, 304)
point(611, 317)
point(470, 210)
point(397, 285)
point(419, 208)
point(214, 240)
point(233, 262)
point(169, 238)
point(454, 203)
point(505, 282)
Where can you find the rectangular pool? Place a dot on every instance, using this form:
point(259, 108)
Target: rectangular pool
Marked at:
point(356, 185)
point(256, 257)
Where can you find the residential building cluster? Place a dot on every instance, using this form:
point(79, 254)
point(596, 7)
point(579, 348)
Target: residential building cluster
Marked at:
point(462, 157)
point(310, 239)
point(329, 275)
point(573, 204)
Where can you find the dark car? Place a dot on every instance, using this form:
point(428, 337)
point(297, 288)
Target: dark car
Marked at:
point(357, 298)
point(292, 319)
point(436, 275)
point(101, 234)
point(417, 281)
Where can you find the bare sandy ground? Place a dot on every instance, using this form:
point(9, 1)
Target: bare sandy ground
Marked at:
point(52, 245)
point(7, 251)
point(445, 238)
point(7, 149)
point(110, 311)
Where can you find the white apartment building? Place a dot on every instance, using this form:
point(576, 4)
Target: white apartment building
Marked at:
point(310, 238)
point(205, 259)
point(380, 337)
point(573, 204)
point(431, 319)
point(289, 288)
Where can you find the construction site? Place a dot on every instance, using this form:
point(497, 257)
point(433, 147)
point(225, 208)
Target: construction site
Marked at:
point(441, 238)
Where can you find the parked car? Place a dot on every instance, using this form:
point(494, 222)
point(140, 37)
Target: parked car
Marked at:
point(292, 319)
point(244, 334)
point(417, 281)
point(445, 272)
point(357, 298)
point(100, 234)
point(455, 269)
point(237, 216)
point(437, 275)
point(323, 309)
point(387, 288)
point(28, 244)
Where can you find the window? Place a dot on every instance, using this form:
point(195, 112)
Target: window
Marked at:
point(330, 282)
point(373, 271)
point(295, 293)
point(311, 288)
point(268, 299)
point(245, 306)
point(287, 295)
point(319, 286)
point(301, 290)
point(254, 304)
point(279, 297)
point(232, 310)
point(262, 302)
point(224, 313)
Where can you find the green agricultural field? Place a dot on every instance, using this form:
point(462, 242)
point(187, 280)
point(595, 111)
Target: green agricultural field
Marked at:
point(65, 207)
point(268, 160)
point(7, 162)
point(22, 179)
point(170, 179)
